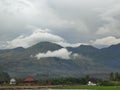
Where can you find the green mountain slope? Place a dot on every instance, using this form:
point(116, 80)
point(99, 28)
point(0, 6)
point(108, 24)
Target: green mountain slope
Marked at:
point(21, 62)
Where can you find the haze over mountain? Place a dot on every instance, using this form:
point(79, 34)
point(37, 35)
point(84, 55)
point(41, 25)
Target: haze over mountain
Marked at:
point(57, 61)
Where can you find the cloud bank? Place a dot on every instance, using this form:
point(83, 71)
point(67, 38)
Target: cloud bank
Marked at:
point(61, 53)
point(107, 41)
point(43, 35)
point(72, 21)
point(37, 36)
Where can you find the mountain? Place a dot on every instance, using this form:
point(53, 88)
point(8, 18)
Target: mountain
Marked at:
point(85, 59)
point(43, 47)
point(83, 49)
point(111, 55)
point(108, 57)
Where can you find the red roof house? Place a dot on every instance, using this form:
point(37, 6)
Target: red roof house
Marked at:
point(29, 80)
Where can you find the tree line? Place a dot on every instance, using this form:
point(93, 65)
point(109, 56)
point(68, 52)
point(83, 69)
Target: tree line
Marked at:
point(114, 76)
point(114, 79)
point(4, 77)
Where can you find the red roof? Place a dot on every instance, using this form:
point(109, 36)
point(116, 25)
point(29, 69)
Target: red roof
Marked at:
point(29, 79)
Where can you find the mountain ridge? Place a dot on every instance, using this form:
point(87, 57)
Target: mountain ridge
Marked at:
point(85, 58)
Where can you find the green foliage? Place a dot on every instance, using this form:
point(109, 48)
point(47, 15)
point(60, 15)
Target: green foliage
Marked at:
point(90, 61)
point(71, 81)
point(114, 76)
point(106, 83)
point(4, 77)
point(90, 87)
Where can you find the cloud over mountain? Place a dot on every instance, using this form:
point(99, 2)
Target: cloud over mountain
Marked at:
point(107, 41)
point(75, 21)
point(37, 36)
point(61, 53)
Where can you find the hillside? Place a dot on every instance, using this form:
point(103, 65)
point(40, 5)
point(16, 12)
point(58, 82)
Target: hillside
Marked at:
point(85, 59)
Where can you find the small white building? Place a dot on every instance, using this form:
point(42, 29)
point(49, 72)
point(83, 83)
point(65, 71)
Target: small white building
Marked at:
point(91, 83)
point(12, 81)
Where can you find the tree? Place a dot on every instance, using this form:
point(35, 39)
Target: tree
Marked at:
point(4, 77)
point(112, 76)
point(116, 76)
point(119, 77)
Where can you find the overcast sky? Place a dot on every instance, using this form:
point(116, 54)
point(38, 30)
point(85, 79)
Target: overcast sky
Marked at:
point(67, 22)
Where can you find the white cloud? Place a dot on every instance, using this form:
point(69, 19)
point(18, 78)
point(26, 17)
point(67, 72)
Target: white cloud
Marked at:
point(61, 53)
point(65, 44)
point(75, 56)
point(72, 20)
point(103, 30)
point(111, 21)
point(106, 41)
point(17, 9)
point(37, 36)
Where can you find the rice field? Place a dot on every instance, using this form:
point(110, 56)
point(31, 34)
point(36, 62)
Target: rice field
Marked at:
point(91, 87)
point(60, 88)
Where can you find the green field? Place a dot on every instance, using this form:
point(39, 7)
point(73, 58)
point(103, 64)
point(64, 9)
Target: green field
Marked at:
point(91, 87)
point(60, 87)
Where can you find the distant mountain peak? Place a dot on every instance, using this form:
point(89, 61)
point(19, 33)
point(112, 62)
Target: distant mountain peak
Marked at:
point(112, 47)
point(46, 44)
point(44, 47)
point(19, 48)
point(115, 45)
point(87, 46)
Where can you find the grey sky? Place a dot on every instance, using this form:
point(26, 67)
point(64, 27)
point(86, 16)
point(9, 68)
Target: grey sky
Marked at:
point(71, 21)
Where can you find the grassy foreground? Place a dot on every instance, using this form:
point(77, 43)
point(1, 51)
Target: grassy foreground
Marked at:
point(60, 87)
point(92, 87)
